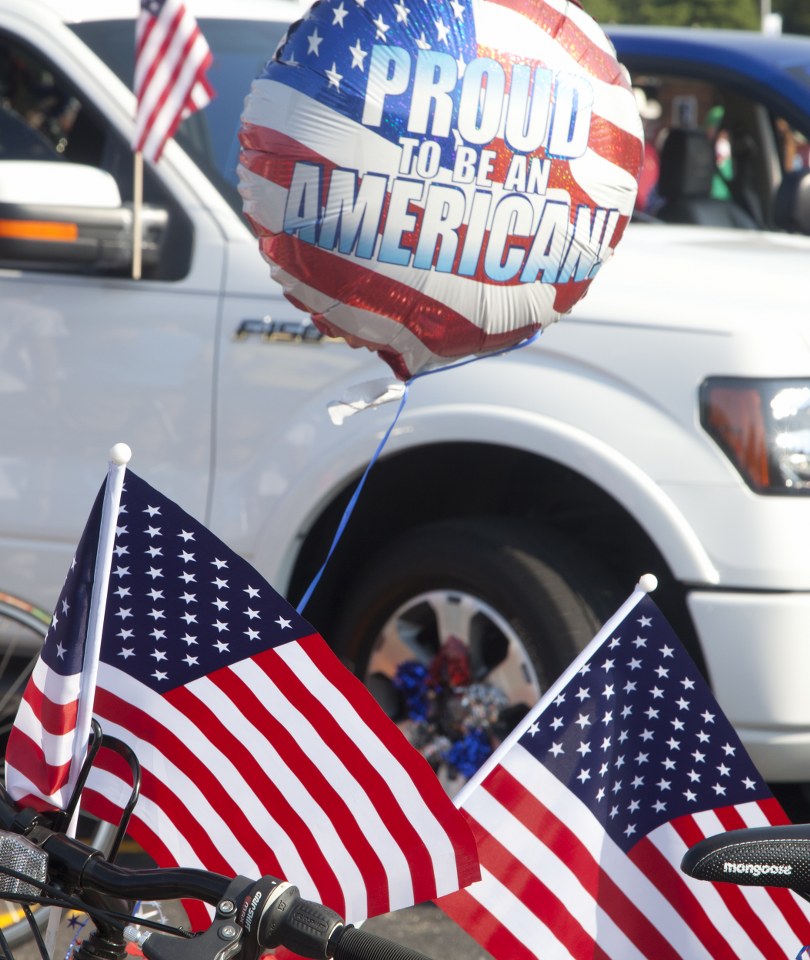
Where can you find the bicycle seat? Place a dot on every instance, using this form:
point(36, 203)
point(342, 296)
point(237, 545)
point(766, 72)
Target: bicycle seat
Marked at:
point(754, 856)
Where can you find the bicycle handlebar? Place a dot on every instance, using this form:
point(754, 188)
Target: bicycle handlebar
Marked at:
point(271, 913)
point(251, 916)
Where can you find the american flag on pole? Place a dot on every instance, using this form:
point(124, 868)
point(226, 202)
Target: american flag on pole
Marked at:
point(171, 61)
point(48, 740)
point(583, 815)
point(261, 753)
point(334, 111)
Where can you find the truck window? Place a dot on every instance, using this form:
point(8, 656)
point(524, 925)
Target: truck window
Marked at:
point(715, 155)
point(209, 136)
point(44, 117)
point(40, 115)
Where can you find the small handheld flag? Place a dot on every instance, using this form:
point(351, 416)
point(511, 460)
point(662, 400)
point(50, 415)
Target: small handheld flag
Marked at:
point(584, 813)
point(171, 61)
point(260, 752)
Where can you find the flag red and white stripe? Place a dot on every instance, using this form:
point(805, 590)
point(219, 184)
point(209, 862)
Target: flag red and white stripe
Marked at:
point(50, 734)
point(260, 752)
point(577, 862)
point(172, 58)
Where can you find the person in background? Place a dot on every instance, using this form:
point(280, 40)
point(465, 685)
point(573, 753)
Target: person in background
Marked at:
point(713, 125)
point(650, 112)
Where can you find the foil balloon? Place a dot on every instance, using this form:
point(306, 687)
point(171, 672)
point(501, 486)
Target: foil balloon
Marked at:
point(439, 180)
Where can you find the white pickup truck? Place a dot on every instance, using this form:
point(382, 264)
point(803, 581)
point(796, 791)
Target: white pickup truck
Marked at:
point(664, 426)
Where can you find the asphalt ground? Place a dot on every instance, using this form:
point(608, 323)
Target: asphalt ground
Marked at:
point(427, 929)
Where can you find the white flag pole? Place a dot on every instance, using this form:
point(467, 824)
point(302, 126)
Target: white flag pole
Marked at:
point(646, 584)
point(120, 456)
point(137, 207)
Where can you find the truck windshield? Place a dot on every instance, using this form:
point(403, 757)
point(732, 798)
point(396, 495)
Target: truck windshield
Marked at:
point(240, 48)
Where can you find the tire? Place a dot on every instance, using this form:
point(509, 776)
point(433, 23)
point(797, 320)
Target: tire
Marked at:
point(522, 602)
point(22, 630)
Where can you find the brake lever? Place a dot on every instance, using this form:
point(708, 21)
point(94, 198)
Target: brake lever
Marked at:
point(223, 939)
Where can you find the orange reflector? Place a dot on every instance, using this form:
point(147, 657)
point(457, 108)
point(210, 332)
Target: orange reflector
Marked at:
point(736, 418)
point(38, 230)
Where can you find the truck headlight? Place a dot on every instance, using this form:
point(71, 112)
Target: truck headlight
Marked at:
point(763, 426)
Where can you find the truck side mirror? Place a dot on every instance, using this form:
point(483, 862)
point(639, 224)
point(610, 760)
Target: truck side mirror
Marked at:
point(68, 217)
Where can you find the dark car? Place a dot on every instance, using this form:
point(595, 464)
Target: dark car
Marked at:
point(727, 118)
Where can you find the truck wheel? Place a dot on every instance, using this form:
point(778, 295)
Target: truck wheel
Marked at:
point(458, 627)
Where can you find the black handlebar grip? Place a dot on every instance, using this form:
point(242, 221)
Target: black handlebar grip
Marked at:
point(306, 929)
point(354, 944)
point(272, 914)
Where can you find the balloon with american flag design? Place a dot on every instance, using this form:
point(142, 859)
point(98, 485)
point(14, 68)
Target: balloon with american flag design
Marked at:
point(435, 181)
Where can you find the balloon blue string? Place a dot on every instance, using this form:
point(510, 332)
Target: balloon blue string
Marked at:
point(381, 445)
point(353, 501)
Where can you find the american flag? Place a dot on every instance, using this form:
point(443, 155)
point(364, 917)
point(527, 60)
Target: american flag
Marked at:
point(425, 276)
point(583, 816)
point(39, 758)
point(171, 60)
point(261, 752)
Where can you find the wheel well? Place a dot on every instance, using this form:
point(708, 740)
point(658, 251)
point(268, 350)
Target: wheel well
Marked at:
point(465, 480)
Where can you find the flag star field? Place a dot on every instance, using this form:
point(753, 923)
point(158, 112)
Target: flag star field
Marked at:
point(638, 738)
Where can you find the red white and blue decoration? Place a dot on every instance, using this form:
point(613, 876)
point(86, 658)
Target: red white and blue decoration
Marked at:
point(435, 181)
point(454, 720)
